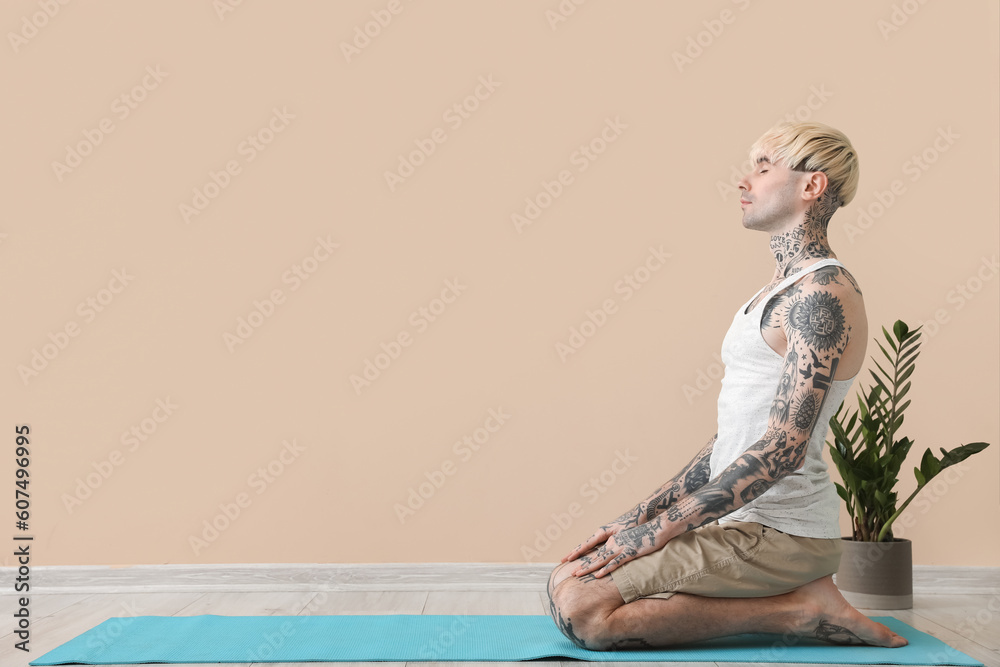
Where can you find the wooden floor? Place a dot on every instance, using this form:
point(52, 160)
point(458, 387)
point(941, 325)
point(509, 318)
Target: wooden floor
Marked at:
point(961, 609)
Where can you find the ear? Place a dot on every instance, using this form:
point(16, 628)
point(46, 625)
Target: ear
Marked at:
point(814, 186)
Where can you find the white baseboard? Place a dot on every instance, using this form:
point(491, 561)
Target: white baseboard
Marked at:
point(65, 579)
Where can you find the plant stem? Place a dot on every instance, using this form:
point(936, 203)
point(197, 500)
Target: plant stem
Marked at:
point(885, 528)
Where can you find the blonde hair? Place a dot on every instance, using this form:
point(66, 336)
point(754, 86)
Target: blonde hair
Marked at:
point(812, 147)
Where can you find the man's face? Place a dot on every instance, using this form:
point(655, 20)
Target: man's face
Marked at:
point(774, 193)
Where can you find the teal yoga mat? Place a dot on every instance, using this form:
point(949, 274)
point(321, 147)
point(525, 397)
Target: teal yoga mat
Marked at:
point(415, 638)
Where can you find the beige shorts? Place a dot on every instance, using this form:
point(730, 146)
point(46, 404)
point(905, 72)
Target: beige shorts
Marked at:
point(737, 559)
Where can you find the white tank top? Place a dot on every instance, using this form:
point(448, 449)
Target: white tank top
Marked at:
point(804, 502)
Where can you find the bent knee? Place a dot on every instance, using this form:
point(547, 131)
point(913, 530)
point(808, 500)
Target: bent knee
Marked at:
point(561, 573)
point(578, 619)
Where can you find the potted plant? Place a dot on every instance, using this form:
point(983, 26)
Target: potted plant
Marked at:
point(876, 568)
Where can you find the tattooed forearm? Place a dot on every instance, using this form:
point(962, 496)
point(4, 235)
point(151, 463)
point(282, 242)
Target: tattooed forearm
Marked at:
point(630, 518)
point(755, 490)
point(698, 474)
point(659, 503)
point(744, 478)
point(693, 476)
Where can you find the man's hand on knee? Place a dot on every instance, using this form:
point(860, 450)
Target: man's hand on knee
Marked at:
point(630, 519)
point(623, 547)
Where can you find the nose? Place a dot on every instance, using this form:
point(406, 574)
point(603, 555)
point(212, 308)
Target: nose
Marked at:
point(743, 183)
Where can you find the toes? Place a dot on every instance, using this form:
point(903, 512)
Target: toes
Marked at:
point(883, 636)
point(888, 638)
point(892, 640)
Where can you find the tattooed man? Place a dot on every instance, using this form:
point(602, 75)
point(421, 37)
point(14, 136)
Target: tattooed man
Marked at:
point(746, 537)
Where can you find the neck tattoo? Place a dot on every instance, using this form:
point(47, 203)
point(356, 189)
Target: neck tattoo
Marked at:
point(807, 241)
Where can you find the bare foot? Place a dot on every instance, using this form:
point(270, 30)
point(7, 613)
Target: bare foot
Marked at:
point(828, 616)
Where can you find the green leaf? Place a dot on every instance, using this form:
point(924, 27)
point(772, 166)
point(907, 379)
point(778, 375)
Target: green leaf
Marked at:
point(892, 344)
point(900, 329)
point(914, 333)
point(921, 480)
point(838, 460)
point(842, 492)
point(911, 336)
point(880, 383)
point(904, 357)
point(887, 355)
point(929, 465)
point(961, 453)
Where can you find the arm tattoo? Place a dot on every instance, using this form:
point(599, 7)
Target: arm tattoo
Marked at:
point(630, 541)
point(830, 274)
point(629, 518)
point(817, 335)
point(697, 476)
point(661, 502)
point(717, 498)
point(694, 475)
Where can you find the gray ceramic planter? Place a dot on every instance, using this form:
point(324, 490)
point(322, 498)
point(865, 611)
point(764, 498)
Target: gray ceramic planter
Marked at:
point(877, 575)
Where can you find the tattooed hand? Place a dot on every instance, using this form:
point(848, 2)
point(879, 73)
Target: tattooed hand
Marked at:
point(694, 475)
point(626, 545)
point(630, 519)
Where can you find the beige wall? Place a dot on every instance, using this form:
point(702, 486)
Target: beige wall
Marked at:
point(335, 126)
